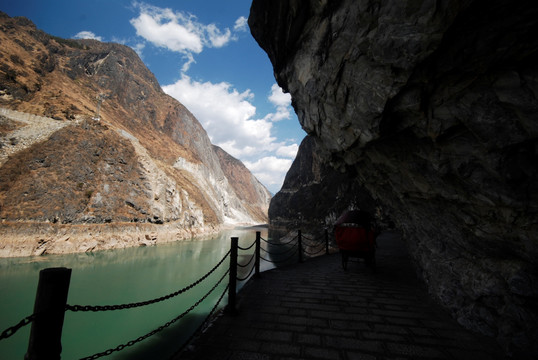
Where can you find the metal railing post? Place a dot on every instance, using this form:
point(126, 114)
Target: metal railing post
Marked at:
point(257, 259)
point(233, 276)
point(51, 297)
point(326, 241)
point(300, 246)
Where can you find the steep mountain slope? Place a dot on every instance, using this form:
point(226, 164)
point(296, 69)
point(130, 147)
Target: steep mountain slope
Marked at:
point(249, 190)
point(145, 162)
point(431, 108)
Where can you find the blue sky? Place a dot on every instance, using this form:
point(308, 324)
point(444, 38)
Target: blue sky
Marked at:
point(202, 53)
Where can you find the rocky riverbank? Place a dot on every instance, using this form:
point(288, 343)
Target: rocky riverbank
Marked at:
point(34, 239)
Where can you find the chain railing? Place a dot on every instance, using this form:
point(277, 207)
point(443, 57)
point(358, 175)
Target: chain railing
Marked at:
point(10, 331)
point(281, 261)
point(314, 247)
point(50, 305)
point(147, 302)
point(160, 328)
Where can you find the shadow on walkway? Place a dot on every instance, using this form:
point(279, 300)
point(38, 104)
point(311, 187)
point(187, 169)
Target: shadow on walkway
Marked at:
point(316, 310)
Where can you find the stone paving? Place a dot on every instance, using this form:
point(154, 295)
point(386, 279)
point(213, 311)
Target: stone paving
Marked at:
point(316, 310)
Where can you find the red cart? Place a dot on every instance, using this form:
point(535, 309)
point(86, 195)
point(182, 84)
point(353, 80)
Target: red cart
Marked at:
point(356, 237)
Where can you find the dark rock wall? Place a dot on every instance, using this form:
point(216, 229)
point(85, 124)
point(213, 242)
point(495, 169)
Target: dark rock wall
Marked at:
point(431, 106)
point(314, 193)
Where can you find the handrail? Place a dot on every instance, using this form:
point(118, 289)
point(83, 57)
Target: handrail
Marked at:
point(159, 329)
point(281, 261)
point(246, 277)
point(248, 262)
point(296, 248)
point(147, 302)
point(203, 323)
point(281, 253)
point(279, 244)
point(313, 242)
point(311, 253)
point(247, 248)
point(307, 237)
point(10, 331)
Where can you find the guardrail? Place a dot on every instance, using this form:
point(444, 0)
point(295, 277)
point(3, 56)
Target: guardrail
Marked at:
point(51, 298)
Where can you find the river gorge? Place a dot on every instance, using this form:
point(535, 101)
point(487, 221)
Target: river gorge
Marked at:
point(123, 276)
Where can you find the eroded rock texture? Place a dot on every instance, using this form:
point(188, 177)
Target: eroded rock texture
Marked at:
point(433, 105)
point(146, 171)
point(314, 194)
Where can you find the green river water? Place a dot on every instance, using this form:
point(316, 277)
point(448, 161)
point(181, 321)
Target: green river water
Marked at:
point(117, 277)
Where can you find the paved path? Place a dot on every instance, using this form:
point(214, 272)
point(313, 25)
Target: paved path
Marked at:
point(316, 310)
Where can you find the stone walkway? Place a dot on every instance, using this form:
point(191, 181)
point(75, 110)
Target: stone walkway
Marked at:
point(316, 310)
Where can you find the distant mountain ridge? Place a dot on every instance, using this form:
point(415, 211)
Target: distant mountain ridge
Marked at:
point(147, 166)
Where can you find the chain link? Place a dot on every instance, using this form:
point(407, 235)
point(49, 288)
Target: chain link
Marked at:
point(246, 277)
point(315, 252)
point(151, 333)
point(10, 331)
point(314, 242)
point(202, 324)
point(248, 263)
point(305, 237)
point(144, 303)
point(279, 261)
point(279, 244)
point(247, 248)
point(294, 246)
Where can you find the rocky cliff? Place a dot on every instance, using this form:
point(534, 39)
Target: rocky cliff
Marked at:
point(431, 108)
point(94, 155)
point(314, 194)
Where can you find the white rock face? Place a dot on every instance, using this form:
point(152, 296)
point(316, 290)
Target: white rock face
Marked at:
point(219, 192)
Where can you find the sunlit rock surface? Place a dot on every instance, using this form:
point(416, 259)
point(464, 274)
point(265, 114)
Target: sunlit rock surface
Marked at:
point(143, 171)
point(432, 108)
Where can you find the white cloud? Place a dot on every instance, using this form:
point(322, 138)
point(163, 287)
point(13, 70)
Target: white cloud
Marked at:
point(216, 37)
point(241, 24)
point(282, 102)
point(230, 120)
point(180, 32)
point(138, 49)
point(87, 35)
point(279, 97)
point(270, 170)
point(226, 114)
point(187, 64)
point(163, 29)
point(289, 151)
point(282, 113)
